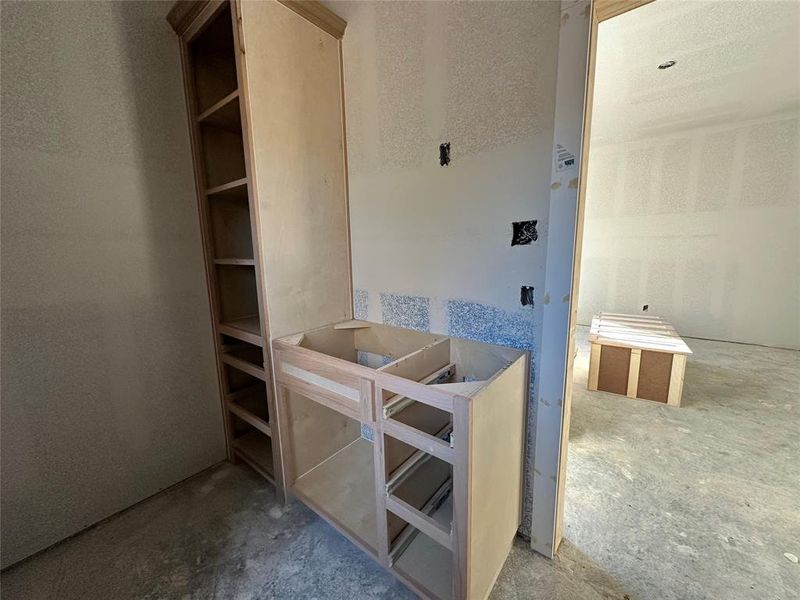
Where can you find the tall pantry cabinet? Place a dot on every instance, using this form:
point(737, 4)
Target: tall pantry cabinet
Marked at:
point(263, 83)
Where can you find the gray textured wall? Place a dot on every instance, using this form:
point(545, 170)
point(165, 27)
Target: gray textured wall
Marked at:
point(431, 244)
point(713, 250)
point(109, 389)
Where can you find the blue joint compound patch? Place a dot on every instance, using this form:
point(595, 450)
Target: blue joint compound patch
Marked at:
point(490, 324)
point(411, 312)
point(513, 328)
point(367, 432)
point(360, 304)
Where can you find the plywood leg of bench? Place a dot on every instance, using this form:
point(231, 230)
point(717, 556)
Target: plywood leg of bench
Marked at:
point(594, 366)
point(676, 379)
point(633, 372)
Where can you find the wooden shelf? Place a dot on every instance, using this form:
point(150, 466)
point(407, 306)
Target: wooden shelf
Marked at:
point(343, 487)
point(247, 329)
point(245, 366)
point(255, 448)
point(231, 231)
point(235, 262)
point(223, 155)
point(250, 417)
point(213, 61)
point(224, 114)
point(245, 392)
point(226, 187)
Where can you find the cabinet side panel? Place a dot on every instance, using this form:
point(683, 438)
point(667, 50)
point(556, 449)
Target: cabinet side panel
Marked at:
point(498, 421)
point(294, 102)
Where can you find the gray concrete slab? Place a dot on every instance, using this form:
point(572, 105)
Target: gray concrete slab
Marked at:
point(662, 503)
point(699, 501)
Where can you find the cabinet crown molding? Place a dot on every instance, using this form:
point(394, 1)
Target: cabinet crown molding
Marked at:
point(184, 12)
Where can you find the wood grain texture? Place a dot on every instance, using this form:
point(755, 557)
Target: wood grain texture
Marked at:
point(495, 493)
point(594, 366)
point(292, 95)
point(343, 486)
point(184, 12)
point(421, 521)
point(318, 14)
point(421, 363)
point(395, 342)
point(676, 380)
point(630, 331)
point(419, 440)
point(429, 474)
point(382, 535)
point(462, 484)
point(315, 432)
point(607, 9)
point(633, 373)
point(657, 357)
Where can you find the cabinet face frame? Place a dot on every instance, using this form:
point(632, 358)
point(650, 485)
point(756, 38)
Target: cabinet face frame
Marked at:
point(601, 10)
point(191, 20)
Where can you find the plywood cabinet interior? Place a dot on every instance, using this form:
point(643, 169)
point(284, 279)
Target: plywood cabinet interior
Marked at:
point(263, 88)
point(434, 492)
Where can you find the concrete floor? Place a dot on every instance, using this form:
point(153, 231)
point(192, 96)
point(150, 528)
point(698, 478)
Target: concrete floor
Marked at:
point(662, 503)
point(699, 501)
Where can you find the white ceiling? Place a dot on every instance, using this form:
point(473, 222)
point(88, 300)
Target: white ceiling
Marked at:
point(736, 60)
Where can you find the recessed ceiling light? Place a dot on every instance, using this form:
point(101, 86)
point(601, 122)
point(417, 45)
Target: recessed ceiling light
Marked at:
point(666, 65)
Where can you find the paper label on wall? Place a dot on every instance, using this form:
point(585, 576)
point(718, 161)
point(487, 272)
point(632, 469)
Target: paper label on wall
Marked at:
point(564, 159)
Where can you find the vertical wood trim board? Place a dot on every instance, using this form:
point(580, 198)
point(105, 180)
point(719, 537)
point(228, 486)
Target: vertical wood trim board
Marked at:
point(600, 10)
point(633, 372)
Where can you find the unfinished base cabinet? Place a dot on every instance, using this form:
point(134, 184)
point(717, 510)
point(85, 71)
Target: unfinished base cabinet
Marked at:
point(637, 356)
point(411, 444)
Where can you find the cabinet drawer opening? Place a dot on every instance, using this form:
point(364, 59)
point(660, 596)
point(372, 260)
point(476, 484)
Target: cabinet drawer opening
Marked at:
point(415, 488)
point(419, 558)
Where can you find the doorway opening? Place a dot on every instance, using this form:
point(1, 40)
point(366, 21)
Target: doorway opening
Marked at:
point(682, 482)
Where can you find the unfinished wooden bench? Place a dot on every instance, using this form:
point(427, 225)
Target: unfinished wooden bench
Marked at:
point(637, 356)
point(410, 444)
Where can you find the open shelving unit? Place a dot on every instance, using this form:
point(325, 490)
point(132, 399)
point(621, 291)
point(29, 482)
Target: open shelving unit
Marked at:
point(268, 148)
point(230, 240)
